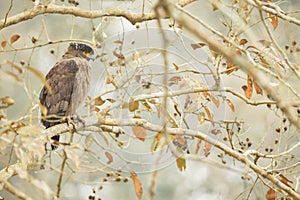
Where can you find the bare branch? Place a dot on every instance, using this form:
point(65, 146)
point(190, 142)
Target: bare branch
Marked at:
point(55, 9)
point(179, 131)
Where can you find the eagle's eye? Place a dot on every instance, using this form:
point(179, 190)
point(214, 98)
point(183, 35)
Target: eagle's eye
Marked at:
point(87, 54)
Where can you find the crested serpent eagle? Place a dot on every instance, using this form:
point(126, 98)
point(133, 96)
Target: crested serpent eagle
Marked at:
point(69, 82)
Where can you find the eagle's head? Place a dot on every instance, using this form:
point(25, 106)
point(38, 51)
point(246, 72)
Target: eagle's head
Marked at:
point(81, 50)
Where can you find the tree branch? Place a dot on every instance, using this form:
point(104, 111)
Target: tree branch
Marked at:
point(56, 9)
point(179, 131)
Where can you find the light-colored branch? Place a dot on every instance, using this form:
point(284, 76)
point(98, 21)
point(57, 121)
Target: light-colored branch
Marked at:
point(7, 173)
point(196, 90)
point(275, 10)
point(9, 187)
point(56, 9)
point(179, 131)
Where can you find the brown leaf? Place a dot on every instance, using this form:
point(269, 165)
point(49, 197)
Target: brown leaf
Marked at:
point(230, 67)
point(133, 105)
point(248, 90)
point(197, 45)
point(138, 187)
point(207, 148)
point(257, 88)
point(243, 41)
point(238, 51)
point(176, 66)
point(285, 180)
point(273, 19)
point(214, 4)
point(271, 194)
point(215, 100)
point(110, 100)
point(118, 42)
point(181, 164)
point(174, 80)
point(109, 157)
point(7, 100)
point(147, 106)
point(14, 38)
point(209, 115)
point(264, 62)
point(265, 43)
point(230, 104)
point(139, 132)
point(108, 80)
point(99, 101)
point(156, 141)
point(3, 44)
point(198, 146)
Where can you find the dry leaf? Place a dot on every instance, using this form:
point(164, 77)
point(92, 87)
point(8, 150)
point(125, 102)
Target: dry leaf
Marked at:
point(138, 187)
point(118, 42)
point(198, 146)
point(271, 194)
point(139, 132)
point(215, 101)
point(133, 105)
point(209, 115)
point(207, 148)
point(248, 90)
point(109, 157)
point(7, 100)
point(265, 43)
point(197, 45)
point(108, 80)
point(243, 41)
point(230, 104)
point(176, 66)
point(174, 80)
point(285, 180)
point(214, 4)
point(14, 38)
point(3, 44)
point(273, 19)
point(181, 164)
point(147, 106)
point(99, 101)
point(156, 142)
point(257, 88)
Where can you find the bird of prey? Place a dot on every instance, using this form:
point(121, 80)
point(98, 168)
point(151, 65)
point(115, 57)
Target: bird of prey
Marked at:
point(69, 82)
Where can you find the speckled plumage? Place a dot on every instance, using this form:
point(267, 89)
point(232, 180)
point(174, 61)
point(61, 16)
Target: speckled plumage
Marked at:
point(69, 80)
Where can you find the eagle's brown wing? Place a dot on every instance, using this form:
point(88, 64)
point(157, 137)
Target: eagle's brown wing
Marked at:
point(61, 78)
